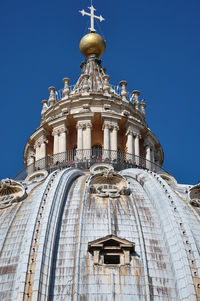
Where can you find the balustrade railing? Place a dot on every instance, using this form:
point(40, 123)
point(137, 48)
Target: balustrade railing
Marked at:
point(59, 94)
point(84, 159)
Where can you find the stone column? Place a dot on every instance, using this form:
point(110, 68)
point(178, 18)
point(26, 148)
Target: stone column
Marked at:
point(43, 147)
point(55, 142)
point(106, 129)
point(43, 153)
point(79, 140)
point(113, 141)
point(88, 132)
point(63, 140)
point(63, 144)
point(40, 153)
point(137, 149)
point(148, 157)
point(55, 134)
point(130, 145)
point(30, 162)
point(152, 158)
point(87, 138)
point(152, 155)
point(37, 151)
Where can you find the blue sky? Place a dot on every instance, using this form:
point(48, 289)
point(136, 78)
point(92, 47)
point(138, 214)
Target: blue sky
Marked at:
point(154, 45)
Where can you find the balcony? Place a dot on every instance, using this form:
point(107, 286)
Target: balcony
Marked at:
point(84, 159)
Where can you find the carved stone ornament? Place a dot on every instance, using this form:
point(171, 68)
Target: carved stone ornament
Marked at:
point(36, 176)
point(126, 113)
point(100, 167)
point(107, 190)
point(195, 202)
point(10, 192)
point(108, 173)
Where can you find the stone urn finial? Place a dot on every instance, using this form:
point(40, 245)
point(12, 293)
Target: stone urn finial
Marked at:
point(44, 106)
point(52, 98)
point(124, 93)
point(66, 87)
point(143, 106)
point(136, 95)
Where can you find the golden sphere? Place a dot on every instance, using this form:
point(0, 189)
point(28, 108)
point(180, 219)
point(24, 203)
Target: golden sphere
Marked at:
point(92, 43)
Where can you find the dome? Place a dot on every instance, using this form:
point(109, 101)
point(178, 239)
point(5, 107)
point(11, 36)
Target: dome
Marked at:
point(102, 235)
point(92, 43)
point(94, 216)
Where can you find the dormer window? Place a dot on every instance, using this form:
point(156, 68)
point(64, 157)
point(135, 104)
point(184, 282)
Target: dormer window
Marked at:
point(111, 251)
point(111, 259)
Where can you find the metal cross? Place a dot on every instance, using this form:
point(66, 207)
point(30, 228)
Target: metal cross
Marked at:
point(92, 17)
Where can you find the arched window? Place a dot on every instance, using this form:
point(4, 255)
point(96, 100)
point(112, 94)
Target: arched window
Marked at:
point(97, 153)
point(74, 153)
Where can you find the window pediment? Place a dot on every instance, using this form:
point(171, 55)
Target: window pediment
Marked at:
point(111, 250)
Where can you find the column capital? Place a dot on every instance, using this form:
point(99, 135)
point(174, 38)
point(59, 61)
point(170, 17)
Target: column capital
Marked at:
point(59, 130)
point(36, 145)
point(148, 142)
point(109, 124)
point(83, 123)
point(79, 126)
point(114, 126)
point(136, 135)
point(59, 127)
point(31, 154)
point(106, 125)
point(43, 139)
point(88, 124)
point(63, 130)
point(55, 132)
point(130, 131)
point(149, 145)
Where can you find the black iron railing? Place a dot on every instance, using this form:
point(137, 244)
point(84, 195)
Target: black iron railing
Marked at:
point(84, 159)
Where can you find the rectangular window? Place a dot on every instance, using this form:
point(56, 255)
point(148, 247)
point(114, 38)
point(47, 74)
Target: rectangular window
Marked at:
point(111, 259)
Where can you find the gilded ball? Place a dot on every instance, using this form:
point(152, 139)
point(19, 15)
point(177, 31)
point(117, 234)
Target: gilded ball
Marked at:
point(92, 43)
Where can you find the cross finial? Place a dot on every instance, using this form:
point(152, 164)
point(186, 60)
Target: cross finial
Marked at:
point(92, 17)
